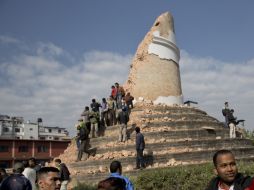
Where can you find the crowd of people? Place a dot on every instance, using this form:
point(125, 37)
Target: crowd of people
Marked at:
point(57, 178)
point(114, 110)
point(28, 175)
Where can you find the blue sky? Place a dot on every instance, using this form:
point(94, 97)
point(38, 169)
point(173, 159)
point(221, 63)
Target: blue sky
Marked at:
point(57, 55)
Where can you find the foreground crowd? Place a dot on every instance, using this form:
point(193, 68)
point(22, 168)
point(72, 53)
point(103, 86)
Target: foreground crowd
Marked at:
point(35, 177)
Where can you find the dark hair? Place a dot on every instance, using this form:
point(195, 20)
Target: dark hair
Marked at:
point(104, 99)
point(112, 86)
point(218, 153)
point(93, 100)
point(46, 170)
point(3, 170)
point(112, 183)
point(137, 129)
point(114, 166)
point(25, 162)
point(86, 108)
point(32, 159)
point(58, 160)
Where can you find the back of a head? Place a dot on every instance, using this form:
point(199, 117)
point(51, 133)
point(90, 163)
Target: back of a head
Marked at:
point(114, 166)
point(16, 182)
point(137, 129)
point(3, 171)
point(112, 183)
point(58, 161)
point(18, 167)
point(32, 159)
point(219, 153)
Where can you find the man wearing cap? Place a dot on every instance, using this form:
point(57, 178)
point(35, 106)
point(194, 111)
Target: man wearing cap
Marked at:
point(16, 181)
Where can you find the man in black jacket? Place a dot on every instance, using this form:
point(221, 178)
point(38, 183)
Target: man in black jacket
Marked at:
point(227, 173)
point(140, 146)
point(64, 173)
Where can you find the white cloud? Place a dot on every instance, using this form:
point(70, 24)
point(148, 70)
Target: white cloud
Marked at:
point(39, 85)
point(8, 40)
point(212, 82)
point(48, 49)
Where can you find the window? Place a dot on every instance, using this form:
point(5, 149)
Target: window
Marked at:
point(42, 138)
point(42, 148)
point(17, 130)
point(6, 129)
point(4, 148)
point(50, 130)
point(56, 138)
point(31, 137)
point(31, 129)
point(23, 148)
point(59, 130)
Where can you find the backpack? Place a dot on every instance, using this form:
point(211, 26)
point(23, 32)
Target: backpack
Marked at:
point(83, 133)
point(65, 174)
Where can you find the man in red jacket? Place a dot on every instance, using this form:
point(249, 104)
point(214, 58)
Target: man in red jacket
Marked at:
point(228, 177)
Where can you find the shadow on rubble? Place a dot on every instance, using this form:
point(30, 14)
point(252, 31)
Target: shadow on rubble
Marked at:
point(148, 158)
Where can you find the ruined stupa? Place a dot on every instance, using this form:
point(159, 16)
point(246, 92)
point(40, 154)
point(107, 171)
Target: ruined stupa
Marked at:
point(175, 134)
point(154, 73)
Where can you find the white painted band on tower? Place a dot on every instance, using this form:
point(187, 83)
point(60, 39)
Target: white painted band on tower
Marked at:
point(164, 48)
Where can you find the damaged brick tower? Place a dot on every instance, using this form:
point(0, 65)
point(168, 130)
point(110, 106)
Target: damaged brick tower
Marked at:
point(175, 134)
point(154, 73)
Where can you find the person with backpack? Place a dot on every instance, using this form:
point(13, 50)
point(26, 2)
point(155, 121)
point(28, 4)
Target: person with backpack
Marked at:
point(64, 174)
point(84, 141)
point(16, 181)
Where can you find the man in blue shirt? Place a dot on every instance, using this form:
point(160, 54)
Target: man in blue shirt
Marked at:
point(116, 171)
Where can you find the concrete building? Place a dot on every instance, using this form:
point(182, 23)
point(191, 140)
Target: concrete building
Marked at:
point(15, 150)
point(16, 128)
